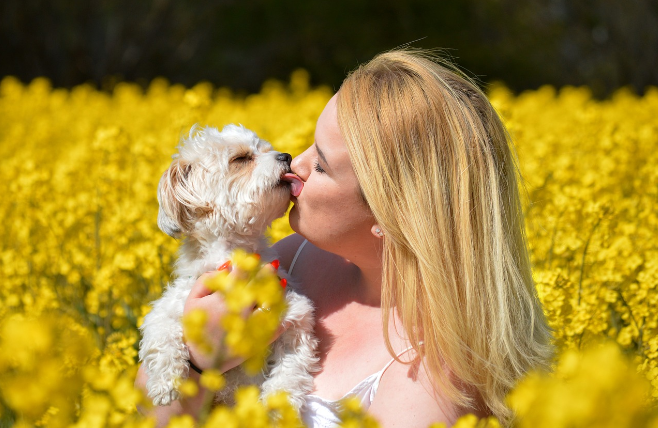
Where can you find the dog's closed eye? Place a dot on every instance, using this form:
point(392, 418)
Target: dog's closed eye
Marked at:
point(242, 158)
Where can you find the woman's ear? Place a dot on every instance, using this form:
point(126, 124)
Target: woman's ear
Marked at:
point(377, 231)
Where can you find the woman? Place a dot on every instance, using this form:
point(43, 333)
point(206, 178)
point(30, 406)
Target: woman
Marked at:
point(415, 256)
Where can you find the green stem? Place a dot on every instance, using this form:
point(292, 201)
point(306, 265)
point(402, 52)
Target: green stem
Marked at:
point(582, 262)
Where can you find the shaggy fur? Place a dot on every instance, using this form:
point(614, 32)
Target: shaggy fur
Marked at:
point(220, 193)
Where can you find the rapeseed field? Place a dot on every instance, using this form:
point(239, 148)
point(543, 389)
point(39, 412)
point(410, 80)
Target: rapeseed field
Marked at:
point(81, 255)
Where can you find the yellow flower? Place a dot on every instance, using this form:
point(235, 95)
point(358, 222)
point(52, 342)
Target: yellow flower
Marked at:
point(277, 400)
point(194, 328)
point(596, 388)
point(212, 380)
point(245, 261)
point(219, 282)
point(353, 415)
point(188, 388)
point(222, 417)
point(184, 421)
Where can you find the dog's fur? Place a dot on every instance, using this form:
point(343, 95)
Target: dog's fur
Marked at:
point(220, 193)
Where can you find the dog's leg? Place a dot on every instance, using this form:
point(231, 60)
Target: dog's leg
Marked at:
point(293, 358)
point(162, 350)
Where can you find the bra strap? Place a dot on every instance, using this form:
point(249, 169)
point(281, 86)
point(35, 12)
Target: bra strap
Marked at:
point(398, 356)
point(375, 386)
point(294, 260)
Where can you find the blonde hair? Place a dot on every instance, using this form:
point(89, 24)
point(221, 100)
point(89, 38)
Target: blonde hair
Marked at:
point(437, 169)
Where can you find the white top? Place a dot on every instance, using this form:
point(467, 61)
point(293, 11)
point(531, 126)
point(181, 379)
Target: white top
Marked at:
point(321, 413)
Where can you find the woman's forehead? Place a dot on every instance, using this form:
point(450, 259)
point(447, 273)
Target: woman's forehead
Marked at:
point(330, 112)
point(327, 131)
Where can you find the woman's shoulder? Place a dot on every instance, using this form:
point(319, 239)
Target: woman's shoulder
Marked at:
point(286, 249)
point(309, 257)
point(318, 274)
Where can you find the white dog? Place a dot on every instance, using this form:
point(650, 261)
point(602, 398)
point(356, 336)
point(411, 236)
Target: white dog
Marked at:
point(221, 192)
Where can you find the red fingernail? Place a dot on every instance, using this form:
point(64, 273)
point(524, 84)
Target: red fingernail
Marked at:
point(284, 282)
point(225, 266)
point(275, 264)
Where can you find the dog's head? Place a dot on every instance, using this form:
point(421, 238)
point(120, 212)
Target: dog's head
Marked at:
point(222, 184)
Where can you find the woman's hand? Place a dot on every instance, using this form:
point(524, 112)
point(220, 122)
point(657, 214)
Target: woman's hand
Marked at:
point(213, 304)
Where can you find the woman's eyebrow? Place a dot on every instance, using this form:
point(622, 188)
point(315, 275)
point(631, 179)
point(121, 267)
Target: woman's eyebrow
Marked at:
point(321, 154)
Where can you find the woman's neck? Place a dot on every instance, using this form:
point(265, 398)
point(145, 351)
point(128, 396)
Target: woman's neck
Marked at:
point(357, 273)
point(368, 285)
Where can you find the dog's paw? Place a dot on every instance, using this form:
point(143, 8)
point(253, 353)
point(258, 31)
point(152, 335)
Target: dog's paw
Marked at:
point(162, 392)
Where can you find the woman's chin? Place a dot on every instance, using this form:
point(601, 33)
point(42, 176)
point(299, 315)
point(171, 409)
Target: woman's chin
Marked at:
point(293, 218)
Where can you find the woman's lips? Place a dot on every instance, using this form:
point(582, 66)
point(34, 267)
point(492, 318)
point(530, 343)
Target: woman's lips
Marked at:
point(296, 183)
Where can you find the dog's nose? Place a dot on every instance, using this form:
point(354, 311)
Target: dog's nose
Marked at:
point(284, 157)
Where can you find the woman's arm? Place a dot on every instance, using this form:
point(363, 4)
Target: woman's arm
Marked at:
point(199, 298)
point(213, 304)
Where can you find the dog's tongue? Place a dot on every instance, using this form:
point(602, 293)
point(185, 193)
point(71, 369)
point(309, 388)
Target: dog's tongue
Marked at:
point(296, 183)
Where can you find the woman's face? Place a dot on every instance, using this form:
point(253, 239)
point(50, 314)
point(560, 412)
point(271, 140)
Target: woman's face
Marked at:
point(329, 211)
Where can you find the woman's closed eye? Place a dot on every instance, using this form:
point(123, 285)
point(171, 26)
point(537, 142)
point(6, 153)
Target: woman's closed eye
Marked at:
point(318, 168)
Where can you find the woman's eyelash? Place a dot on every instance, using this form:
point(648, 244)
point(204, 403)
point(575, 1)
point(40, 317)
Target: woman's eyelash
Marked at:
point(318, 168)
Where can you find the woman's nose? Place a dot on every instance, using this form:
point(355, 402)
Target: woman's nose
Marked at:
point(297, 166)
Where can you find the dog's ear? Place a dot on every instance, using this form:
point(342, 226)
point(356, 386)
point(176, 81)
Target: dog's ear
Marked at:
point(176, 199)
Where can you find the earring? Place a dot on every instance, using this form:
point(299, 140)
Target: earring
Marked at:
point(379, 232)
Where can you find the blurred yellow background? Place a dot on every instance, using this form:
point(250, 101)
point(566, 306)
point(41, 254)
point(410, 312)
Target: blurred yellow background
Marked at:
point(81, 255)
